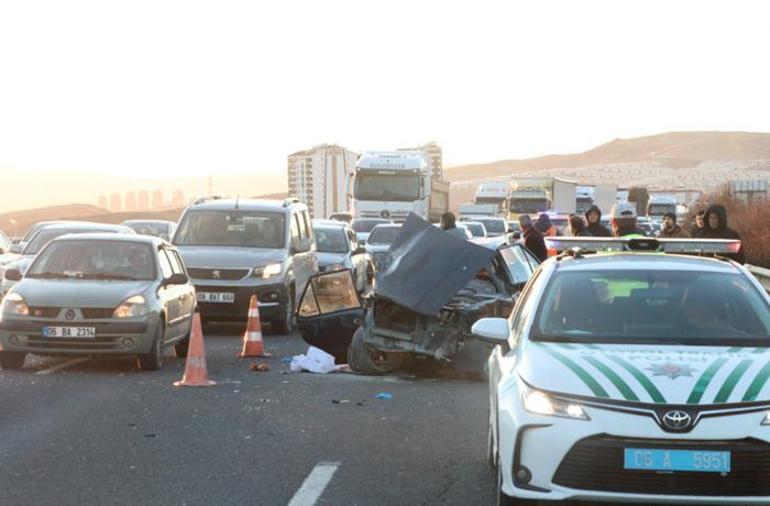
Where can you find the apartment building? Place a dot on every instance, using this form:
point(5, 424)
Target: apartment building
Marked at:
point(321, 177)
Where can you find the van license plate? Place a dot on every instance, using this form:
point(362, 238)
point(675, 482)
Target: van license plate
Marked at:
point(216, 297)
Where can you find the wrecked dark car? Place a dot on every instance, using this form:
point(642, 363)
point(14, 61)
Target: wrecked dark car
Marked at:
point(420, 313)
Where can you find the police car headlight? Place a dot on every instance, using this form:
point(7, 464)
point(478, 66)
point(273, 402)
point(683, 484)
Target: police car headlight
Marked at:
point(132, 306)
point(268, 271)
point(540, 403)
point(13, 303)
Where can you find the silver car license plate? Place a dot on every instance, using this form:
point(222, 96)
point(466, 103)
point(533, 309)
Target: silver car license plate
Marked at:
point(70, 332)
point(216, 297)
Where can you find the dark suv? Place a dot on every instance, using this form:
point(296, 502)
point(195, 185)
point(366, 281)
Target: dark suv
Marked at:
point(236, 248)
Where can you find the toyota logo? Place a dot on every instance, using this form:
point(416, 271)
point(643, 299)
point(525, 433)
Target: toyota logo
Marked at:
point(216, 274)
point(677, 420)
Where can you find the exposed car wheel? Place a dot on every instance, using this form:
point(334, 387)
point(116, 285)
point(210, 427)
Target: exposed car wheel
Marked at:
point(285, 325)
point(153, 360)
point(180, 348)
point(12, 359)
point(359, 358)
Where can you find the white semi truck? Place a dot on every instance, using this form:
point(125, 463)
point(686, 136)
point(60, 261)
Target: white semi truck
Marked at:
point(537, 195)
point(393, 184)
point(491, 199)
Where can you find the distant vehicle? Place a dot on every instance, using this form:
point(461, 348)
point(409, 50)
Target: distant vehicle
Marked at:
point(236, 248)
point(46, 233)
point(5, 243)
point(379, 241)
point(156, 228)
point(363, 227)
point(495, 227)
point(491, 199)
point(537, 195)
point(659, 205)
point(99, 294)
point(344, 217)
point(476, 228)
point(393, 184)
point(338, 249)
point(32, 230)
point(584, 199)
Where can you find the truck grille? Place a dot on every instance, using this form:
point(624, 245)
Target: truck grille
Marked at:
point(596, 463)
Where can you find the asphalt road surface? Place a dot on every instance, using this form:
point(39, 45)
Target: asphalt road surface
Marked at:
point(100, 431)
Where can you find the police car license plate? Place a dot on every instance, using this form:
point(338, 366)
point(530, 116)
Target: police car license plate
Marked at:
point(216, 297)
point(643, 459)
point(70, 332)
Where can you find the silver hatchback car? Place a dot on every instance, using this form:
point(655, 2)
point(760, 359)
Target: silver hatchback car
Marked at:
point(98, 294)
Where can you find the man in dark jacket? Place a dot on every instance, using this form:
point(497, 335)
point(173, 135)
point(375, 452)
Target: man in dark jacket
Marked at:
point(669, 228)
point(715, 227)
point(533, 240)
point(545, 227)
point(594, 219)
point(700, 226)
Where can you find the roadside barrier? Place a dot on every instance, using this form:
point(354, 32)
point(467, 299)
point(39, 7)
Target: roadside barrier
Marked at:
point(253, 346)
point(195, 373)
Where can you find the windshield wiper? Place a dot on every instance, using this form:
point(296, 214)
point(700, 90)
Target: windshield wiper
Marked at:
point(50, 275)
point(107, 275)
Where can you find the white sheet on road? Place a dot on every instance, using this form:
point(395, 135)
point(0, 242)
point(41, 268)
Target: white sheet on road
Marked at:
point(317, 361)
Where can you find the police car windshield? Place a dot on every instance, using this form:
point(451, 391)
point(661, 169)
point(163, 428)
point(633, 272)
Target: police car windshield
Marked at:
point(232, 228)
point(655, 307)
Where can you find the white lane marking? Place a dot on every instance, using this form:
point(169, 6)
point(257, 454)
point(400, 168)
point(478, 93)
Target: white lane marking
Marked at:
point(63, 365)
point(315, 484)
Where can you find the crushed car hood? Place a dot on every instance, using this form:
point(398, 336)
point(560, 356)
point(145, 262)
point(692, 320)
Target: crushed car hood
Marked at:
point(649, 373)
point(229, 257)
point(429, 266)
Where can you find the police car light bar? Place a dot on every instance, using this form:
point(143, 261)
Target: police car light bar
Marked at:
point(684, 246)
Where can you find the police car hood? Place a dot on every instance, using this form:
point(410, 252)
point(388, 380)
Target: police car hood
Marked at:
point(649, 373)
point(428, 266)
point(227, 257)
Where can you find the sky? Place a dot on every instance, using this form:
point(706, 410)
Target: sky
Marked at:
point(169, 89)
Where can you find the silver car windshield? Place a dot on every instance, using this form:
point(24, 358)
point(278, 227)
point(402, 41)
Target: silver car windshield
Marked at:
point(331, 240)
point(383, 235)
point(661, 307)
point(118, 260)
point(232, 228)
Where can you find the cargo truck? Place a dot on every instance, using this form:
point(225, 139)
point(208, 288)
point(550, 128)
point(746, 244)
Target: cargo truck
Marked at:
point(537, 195)
point(391, 185)
point(491, 199)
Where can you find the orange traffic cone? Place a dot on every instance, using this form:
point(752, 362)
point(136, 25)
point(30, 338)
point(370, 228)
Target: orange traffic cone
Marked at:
point(252, 338)
point(195, 374)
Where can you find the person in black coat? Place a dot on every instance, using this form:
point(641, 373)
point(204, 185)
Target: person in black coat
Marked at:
point(715, 227)
point(594, 220)
point(533, 239)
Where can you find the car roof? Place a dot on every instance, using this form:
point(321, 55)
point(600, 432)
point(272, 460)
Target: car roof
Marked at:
point(243, 204)
point(163, 222)
point(645, 261)
point(87, 225)
point(101, 236)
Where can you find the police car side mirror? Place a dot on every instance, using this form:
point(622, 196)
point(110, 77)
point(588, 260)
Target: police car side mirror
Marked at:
point(492, 330)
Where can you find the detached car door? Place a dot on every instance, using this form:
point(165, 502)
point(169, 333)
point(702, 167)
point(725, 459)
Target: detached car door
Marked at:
point(329, 313)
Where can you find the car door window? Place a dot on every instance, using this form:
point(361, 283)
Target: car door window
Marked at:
point(519, 265)
point(329, 293)
point(523, 309)
point(165, 265)
point(179, 261)
point(308, 226)
point(295, 237)
point(175, 265)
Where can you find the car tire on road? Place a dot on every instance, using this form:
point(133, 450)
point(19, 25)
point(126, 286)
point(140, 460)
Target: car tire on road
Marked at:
point(153, 360)
point(359, 358)
point(12, 360)
point(491, 457)
point(285, 325)
point(180, 348)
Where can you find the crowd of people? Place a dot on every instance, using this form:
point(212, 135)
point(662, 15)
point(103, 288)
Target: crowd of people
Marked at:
point(710, 223)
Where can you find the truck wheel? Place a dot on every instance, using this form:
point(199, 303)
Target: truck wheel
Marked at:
point(359, 357)
point(12, 360)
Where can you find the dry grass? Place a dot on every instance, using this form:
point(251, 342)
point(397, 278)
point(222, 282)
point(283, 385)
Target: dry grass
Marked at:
point(752, 221)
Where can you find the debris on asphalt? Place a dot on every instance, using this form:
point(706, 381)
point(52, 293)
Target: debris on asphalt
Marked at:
point(150, 435)
point(384, 396)
point(341, 401)
point(261, 367)
point(315, 361)
point(286, 360)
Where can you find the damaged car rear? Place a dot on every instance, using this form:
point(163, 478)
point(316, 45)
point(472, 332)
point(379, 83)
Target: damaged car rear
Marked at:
point(419, 315)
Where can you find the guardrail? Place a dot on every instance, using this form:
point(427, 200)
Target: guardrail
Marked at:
point(762, 274)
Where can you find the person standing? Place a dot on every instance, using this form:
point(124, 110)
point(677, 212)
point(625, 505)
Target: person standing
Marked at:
point(670, 229)
point(449, 224)
point(624, 220)
point(533, 239)
point(594, 219)
point(545, 227)
point(577, 226)
point(700, 225)
point(715, 227)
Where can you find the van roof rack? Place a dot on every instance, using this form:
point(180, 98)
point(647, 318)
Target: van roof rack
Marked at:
point(289, 201)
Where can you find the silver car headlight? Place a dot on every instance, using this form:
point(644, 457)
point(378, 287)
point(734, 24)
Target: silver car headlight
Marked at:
point(13, 303)
point(268, 271)
point(132, 306)
point(541, 403)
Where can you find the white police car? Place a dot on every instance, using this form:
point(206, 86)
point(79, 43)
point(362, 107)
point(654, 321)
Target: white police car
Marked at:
point(636, 375)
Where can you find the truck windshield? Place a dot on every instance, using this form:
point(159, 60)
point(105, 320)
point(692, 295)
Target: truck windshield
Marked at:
point(583, 204)
point(653, 307)
point(529, 205)
point(232, 228)
point(387, 187)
